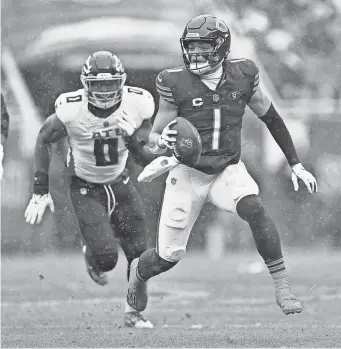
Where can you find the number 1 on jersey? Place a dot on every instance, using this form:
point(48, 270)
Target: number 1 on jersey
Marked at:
point(105, 151)
point(216, 128)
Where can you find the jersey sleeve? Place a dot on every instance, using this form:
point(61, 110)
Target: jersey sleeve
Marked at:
point(66, 106)
point(259, 102)
point(140, 103)
point(251, 70)
point(163, 87)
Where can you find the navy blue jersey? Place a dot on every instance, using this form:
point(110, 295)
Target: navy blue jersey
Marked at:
point(217, 114)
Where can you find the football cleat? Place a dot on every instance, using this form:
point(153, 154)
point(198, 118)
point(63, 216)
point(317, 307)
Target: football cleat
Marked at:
point(98, 276)
point(288, 303)
point(136, 320)
point(137, 296)
point(284, 297)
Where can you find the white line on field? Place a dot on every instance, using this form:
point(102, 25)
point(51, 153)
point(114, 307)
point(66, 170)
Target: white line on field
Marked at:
point(181, 326)
point(179, 296)
point(253, 301)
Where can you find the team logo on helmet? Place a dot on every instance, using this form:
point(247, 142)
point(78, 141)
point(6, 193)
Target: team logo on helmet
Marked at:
point(87, 66)
point(220, 25)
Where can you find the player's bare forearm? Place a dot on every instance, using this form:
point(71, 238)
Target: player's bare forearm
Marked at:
point(52, 131)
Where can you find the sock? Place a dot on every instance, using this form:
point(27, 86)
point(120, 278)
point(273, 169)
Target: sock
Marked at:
point(276, 267)
point(128, 308)
point(279, 275)
point(151, 264)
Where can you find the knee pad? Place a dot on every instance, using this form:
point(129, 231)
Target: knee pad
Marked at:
point(151, 264)
point(178, 211)
point(250, 206)
point(105, 262)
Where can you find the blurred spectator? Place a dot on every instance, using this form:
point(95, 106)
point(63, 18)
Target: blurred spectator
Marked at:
point(294, 38)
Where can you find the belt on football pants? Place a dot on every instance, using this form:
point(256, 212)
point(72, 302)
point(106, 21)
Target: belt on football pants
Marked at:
point(84, 186)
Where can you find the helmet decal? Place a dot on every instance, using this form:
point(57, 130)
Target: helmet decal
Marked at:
point(220, 25)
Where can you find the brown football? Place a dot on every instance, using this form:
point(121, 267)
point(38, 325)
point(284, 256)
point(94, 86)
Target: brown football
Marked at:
point(187, 148)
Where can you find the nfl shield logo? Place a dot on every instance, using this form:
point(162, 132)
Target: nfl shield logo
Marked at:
point(215, 98)
point(83, 191)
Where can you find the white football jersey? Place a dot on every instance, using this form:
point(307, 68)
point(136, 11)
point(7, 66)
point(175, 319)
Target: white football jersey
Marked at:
point(97, 150)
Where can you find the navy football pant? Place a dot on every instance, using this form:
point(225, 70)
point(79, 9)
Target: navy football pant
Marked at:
point(100, 233)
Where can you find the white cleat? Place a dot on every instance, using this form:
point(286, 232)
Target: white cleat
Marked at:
point(289, 303)
point(284, 297)
point(137, 296)
point(136, 320)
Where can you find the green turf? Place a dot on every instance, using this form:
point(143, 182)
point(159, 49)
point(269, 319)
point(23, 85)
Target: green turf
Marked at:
point(49, 301)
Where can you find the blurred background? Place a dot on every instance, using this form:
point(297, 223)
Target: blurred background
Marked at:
point(297, 44)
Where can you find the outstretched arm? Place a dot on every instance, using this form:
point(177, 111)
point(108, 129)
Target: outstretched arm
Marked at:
point(266, 111)
point(53, 130)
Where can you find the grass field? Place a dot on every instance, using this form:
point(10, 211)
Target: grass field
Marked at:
point(49, 301)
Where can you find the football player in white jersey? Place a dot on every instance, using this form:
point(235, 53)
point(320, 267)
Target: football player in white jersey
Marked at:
point(100, 121)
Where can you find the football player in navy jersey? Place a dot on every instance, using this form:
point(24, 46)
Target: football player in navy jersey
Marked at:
point(212, 92)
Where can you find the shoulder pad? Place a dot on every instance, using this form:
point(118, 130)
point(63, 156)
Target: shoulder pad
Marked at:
point(142, 99)
point(247, 66)
point(163, 79)
point(67, 105)
point(166, 80)
point(168, 76)
point(147, 105)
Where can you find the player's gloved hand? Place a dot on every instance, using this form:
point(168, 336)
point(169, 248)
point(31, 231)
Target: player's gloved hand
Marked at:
point(127, 124)
point(167, 139)
point(298, 171)
point(1, 158)
point(37, 206)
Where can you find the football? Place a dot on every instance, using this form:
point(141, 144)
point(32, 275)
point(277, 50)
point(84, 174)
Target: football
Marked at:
point(187, 148)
